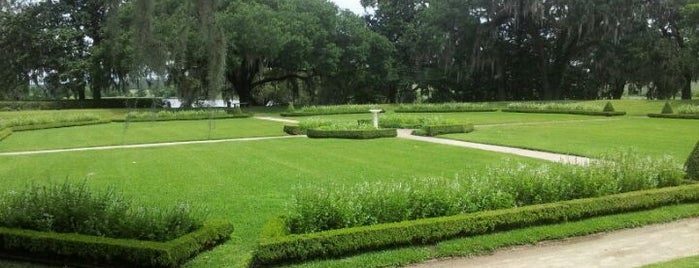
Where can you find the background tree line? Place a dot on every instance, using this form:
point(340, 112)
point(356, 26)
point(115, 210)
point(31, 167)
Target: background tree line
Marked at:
point(309, 51)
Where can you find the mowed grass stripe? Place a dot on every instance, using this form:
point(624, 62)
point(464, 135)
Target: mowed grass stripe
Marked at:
point(246, 183)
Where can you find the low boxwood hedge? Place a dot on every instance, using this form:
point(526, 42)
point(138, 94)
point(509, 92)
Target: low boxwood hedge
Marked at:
point(352, 134)
point(293, 130)
point(299, 113)
point(564, 112)
point(445, 110)
point(444, 129)
point(185, 118)
point(277, 247)
point(81, 104)
point(61, 248)
point(675, 116)
point(60, 125)
point(4, 133)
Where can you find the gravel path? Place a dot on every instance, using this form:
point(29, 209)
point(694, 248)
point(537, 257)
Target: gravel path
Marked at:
point(274, 119)
point(561, 158)
point(625, 248)
point(149, 145)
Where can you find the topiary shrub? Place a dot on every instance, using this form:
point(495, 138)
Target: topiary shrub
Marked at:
point(293, 130)
point(667, 109)
point(692, 164)
point(608, 107)
point(291, 108)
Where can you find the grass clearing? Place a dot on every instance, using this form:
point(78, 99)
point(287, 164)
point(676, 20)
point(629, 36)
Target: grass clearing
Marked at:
point(648, 136)
point(246, 183)
point(138, 133)
point(689, 262)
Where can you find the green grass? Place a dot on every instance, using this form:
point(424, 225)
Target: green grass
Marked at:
point(648, 136)
point(689, 262)
point(248, 182)
point(139, 132)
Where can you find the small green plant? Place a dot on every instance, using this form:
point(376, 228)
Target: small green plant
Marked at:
point(556, 106)
point(667, 109)
point(688, 109)
point(692, 164)
point(510, 185)
point(73, 208)
point(444, 107)
point(290, 108)
point(608, 107)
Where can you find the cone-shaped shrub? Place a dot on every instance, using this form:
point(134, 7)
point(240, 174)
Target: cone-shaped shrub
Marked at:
point(608, 107)
point(692, 164)
point(667, 109)
point(291, 107)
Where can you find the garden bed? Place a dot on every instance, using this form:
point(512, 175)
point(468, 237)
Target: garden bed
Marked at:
point(85, 250)
point(174, 115)
point(59, 125)
point(576, 112)
point(443, 129)
point(444, 108)
point(278, 247)
point(329, 110)
point(352, 133)
point(675, 116)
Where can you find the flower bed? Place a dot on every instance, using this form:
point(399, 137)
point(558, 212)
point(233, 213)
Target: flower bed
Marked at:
point(444, 108)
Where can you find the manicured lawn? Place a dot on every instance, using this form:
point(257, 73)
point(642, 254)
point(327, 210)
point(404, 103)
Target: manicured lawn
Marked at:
point(244, 182)
point(675, 137)
point(689, 262)
point(141, 132)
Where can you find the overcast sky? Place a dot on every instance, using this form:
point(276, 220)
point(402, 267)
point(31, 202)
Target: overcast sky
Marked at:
point(353, 5)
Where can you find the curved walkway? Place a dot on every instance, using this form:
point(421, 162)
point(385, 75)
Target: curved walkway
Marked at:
point(149, 145)
point(625, 248)
point(560, 158)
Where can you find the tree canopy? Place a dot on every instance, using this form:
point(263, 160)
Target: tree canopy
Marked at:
point(311, 51)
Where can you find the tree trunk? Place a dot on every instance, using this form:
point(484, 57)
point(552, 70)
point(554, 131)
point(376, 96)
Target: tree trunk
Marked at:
point(687, 87)
point(618, 89)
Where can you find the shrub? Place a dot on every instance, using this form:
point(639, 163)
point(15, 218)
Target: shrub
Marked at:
point(280, 248)
point(328, 110)
point(290, 108)
point(562, 108)
point(293, 130)
point(688, 109)
point(140, 103)
point(60, 125)
point(186, 114)
point(370, 133)
point(667, 109)
point(21, 121)
point(91, 251)
point(510, 185)
point(73, 208)
point(434, 130)
point(401, 121)
point(675, 116)
point(444, 107)
point(313, 123)
point(608, 107)
point(692, 164)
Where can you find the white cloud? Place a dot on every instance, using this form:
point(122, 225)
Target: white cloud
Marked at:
point(353, 5)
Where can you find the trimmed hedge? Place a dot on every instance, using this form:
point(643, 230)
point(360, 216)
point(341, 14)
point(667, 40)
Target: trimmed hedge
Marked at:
point(226, 116)
point(299, 113)
point(4, 133)
point(564, 112)
point(81, 104)
point(675, 116)
point(465, 110)
point(667, 109)
point(277, 247)
point(444, 129)
point(60, 125)
point(100, 251)
point(293, 130)
point(692, 163)
point(352, 134)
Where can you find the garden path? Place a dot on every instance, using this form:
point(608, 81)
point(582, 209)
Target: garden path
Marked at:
point(560, 158)
point(129, 146)
point(625, 248)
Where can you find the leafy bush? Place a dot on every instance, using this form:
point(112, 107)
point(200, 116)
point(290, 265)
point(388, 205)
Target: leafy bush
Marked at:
point(556, 106)
point(366, 133)
point(444, 107)
point(688, 109)
point(290, 108)
point(667, 109)
point(692, 164)
point(328, 110)
point(92, 251)
point(401, 121)
point(21, 121)
point(73, 208)
point(277, 247)
point(293, 130)
point(512, 185)
point(434, 130)
point(608, 107)
point(188, 114)
point(312, 123)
